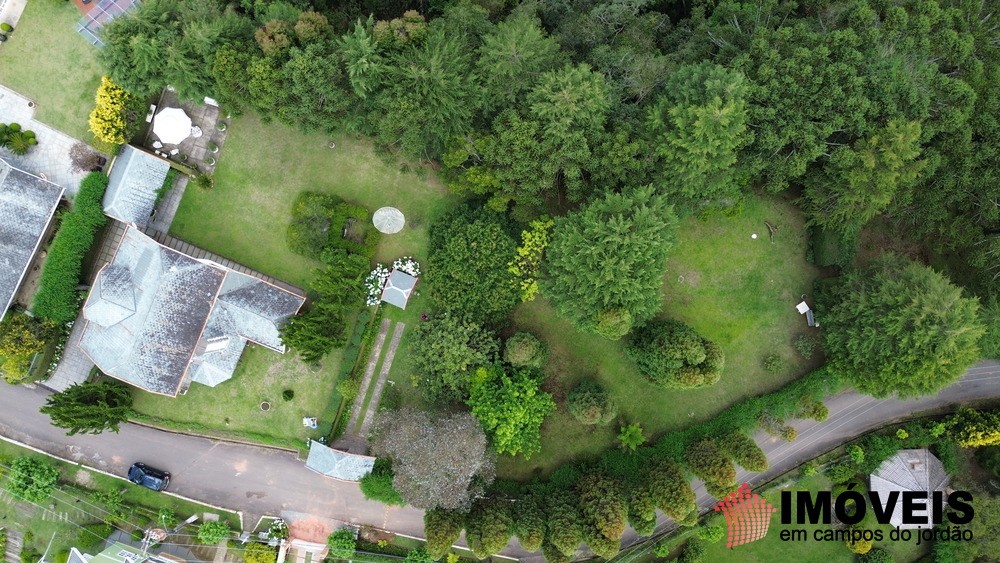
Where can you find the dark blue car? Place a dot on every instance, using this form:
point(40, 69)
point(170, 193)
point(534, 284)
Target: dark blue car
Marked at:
point(146, 476)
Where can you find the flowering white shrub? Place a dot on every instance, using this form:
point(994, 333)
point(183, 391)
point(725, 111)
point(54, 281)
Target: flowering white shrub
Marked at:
point(407, 264)
point(374, 284)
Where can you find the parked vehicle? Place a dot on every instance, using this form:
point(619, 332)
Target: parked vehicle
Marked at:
point(149, 477)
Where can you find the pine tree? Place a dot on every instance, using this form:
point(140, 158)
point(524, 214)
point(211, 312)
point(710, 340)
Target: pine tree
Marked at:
point(90, 408)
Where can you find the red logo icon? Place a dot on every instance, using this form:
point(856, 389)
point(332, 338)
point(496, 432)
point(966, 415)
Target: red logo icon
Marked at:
point(748, 515)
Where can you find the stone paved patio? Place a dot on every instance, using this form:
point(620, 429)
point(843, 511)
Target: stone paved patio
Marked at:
point(196, 149)
point(48, 159)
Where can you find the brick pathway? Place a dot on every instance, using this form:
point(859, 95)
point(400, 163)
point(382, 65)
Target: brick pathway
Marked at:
point(50, 157)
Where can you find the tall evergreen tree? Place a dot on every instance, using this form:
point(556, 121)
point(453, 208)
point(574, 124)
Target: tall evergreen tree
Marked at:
point(900, 327)
point(90, 408)
point(604, 266)
point(699, 125)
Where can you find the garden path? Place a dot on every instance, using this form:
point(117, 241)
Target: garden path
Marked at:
point(366, 425)
point(366, 381)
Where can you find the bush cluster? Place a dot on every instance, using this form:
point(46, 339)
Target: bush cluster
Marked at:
point(672, 354)
point(377, 485)
point(57, 298)
point(323, 223)
point(590, 403)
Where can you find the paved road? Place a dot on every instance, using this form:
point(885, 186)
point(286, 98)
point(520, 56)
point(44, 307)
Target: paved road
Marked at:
point(851, 414)
point(259, 480)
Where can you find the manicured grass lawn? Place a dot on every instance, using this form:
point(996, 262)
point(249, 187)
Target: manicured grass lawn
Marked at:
point(233, 407)
point(263, 168)
point(48, 61)
point(737, 291)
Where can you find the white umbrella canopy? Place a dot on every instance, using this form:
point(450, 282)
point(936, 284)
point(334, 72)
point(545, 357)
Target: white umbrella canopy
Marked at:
point(388, 220)
point(172, 126)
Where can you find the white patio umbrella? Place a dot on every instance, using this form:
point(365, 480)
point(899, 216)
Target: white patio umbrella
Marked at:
point(172, 126)
point(388, 220)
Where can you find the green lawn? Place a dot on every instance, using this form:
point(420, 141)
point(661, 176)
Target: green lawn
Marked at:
point(735, 290)
point(263, 168)
point(46, 60)
point(233, 407)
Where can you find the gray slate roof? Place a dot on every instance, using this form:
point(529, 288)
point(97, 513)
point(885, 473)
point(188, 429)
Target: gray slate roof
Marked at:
point(398, 288)
point(132, 185)
point(156, 315)
point(337, 464)
point(909, 470)
point(27, 204)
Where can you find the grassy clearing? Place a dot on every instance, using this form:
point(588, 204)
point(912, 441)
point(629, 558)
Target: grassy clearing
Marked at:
point(738, 291)
point(264, 167)
point(233, 407)
point(48, 61)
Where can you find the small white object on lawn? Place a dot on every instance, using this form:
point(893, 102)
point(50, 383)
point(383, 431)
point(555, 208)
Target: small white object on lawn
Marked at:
point(388, 220)
point(754, 236)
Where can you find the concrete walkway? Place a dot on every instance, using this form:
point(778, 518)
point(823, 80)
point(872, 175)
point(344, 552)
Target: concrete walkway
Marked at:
point(366, 381)
point(167, 209)
point(75, 366)
point(366, 424)
point(48, 159)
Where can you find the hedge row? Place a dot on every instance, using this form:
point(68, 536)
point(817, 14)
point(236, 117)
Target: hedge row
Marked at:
point(57, 298)
point(708, 450)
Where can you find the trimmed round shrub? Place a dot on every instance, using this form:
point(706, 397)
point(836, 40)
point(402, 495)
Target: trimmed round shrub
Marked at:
point(288, 394)
point(773, 362)
point(672, 354)
point(589, 403)
point(523, 349)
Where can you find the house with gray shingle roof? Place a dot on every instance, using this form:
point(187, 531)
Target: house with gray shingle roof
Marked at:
point(136, 177)
point(27, 204)
point(908, 470)
point(158, 319)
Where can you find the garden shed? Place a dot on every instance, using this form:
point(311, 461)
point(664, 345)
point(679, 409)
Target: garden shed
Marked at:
point(135, 180)
point(340, 465)
point(398, 288)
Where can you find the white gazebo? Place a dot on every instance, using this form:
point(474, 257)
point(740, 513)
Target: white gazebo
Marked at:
point(388, 220)
point(172, 126)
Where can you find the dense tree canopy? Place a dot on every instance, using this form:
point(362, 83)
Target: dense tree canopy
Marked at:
point(605, 264)
point(467, 272)
point(511, 407)
point(438, 462)
point(900, 327)
point(445, 351)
